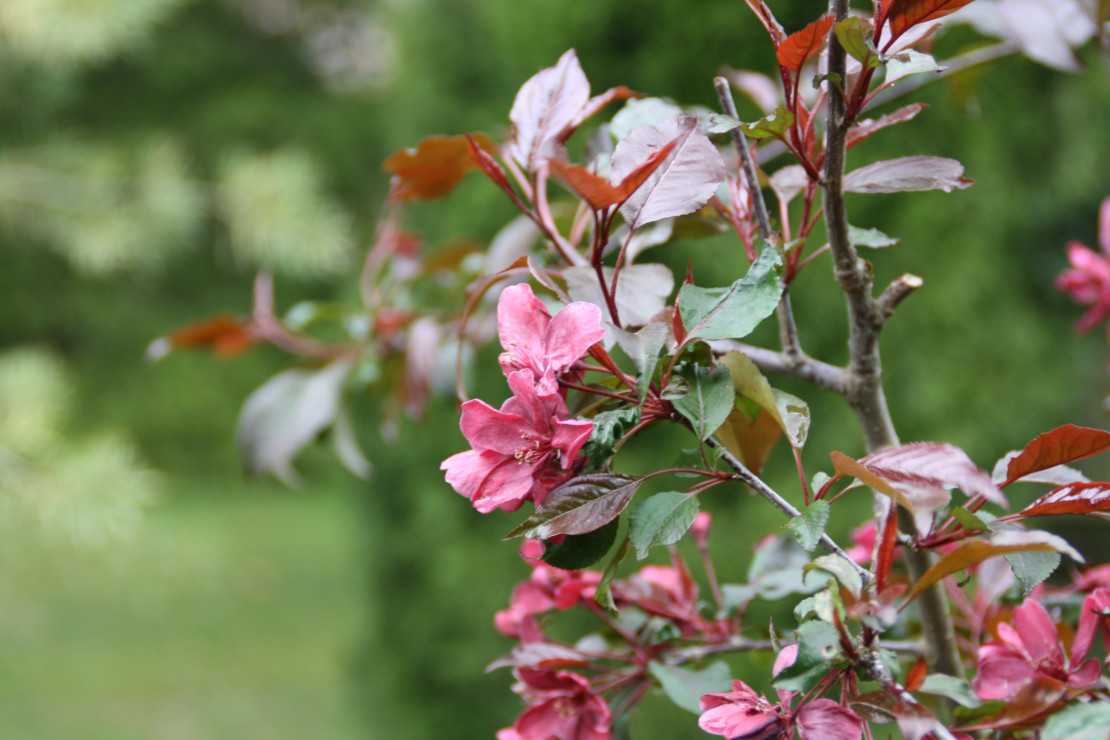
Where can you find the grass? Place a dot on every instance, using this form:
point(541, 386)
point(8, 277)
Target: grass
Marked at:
point(233, 613)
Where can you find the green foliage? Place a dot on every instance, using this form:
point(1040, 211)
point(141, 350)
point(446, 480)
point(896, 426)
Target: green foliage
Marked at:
point(685, 687)
point(661, 520)
point(71, 33)
point(278, 217)
point(86, 491)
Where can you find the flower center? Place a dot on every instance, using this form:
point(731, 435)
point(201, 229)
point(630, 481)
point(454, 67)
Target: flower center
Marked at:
point(531, 451)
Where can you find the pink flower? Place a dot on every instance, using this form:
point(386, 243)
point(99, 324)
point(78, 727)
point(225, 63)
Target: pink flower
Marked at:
point(520, 452)
point(549, 588)
point(564, 707)
point(666, 590)
point(744, 714)
point(1031, 647)
point(535, 341)
point(1088, 282)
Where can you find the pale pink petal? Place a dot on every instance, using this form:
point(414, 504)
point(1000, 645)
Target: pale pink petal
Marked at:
point(522, 321)
point(1085, 675)
point(1085, 634)
point(571, 333)
point(508, 733)
point(824, 719)
point(738, 721)
point(568, 438)
point(528, 404)
point(506, 487)
point(1001, 672)
point(1038, 634)
point(486, 428)
point(784, 660)
point(741, 693)
point(467, 470)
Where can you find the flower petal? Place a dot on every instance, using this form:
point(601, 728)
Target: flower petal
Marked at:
point(824, 719)
point(522, 321)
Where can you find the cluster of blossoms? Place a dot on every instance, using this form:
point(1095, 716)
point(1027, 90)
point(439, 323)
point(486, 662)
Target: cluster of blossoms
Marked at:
point(527, 447)
point(659, 610)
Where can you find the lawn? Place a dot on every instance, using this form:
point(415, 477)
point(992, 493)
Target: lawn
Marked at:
point(233, 612)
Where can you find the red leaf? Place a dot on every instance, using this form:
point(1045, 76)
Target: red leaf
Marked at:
point(540, 655)
point(226, 335)
point(904, 14)
point(546, 110)
point(767, 18)
point(597, 191)
point(976, 551)
point(1036, 696)
point(581, 505)
point(905, 174)
point(684, 181)
point(1062, 445)
point(793, 52)
point(917, 675)
point(487, 164)
point(433, 168)
point(1077, 498)
point(921, 473)
point(887, 544)
point(866, 128)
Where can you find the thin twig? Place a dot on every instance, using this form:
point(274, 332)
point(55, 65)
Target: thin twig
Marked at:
point(788, 329)
point(805, 368)
point(768, 493)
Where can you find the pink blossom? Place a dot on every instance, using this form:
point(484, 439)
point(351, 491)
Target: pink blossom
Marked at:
point(1088, 280)
point(535, 341)
point(666, 590)
point(1031, 647)
point(742, 714)
point(549, 588)
point(563, 707)
point(520, 452)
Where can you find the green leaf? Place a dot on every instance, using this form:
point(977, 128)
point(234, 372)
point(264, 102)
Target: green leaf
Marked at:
point(909, 62)
point(718, 123)
point(733, 312)
point(965, 716)
point(870, 238)
point(603, 594)
point(809, 527)
point(686, 687)
point(777, 570)
point(1078, 722)
point(644, 348)
point(775, 125)
point(579, 506)
point(956, 689)
point(709, 400)
point(582, 550)
point(661, 520)
point(818, 648)
point(1031, 568)
point(854, 35)
point(789, 412)
point(968, 520)
point(609, 427)
point(840, 569)
point(794, 415)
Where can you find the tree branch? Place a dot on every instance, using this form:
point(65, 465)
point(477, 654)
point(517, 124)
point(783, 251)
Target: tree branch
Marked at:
point(803, 367)
point(864, 392)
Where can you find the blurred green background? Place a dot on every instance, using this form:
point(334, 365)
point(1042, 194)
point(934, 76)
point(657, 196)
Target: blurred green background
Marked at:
point(153, 153)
